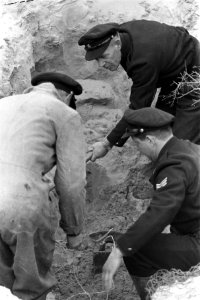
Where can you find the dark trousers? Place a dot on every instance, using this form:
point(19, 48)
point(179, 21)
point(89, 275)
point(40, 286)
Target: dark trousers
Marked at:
point(187, 108)
point(186, 111)
point(165, 251)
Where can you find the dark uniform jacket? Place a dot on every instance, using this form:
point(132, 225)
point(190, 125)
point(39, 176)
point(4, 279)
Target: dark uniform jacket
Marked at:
point(176, 198)
point(153, 55)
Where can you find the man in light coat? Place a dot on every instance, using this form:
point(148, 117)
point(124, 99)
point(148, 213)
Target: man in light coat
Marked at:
point(38, 132)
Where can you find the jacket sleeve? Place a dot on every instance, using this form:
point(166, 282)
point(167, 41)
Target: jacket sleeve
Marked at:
point(70, 178)
point(167, 199)
point(144, 77)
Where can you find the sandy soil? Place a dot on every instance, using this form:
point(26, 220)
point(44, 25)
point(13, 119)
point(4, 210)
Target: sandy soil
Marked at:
point(75, 271)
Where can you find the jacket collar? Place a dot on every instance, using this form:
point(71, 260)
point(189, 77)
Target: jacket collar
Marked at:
point(126, 48)
point(162, 153)
point(166, 147)
point(46, 87)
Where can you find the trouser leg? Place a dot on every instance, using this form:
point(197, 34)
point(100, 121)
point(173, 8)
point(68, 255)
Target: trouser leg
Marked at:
point(26, 254)
point(140, 285)
point(32, 263)
point(20, 269)
point(6, 262)
point(187, 112)
point(187, 125)
point(164, 251)
point(186, 108)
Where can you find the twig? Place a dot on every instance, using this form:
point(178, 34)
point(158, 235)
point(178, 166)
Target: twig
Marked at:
point(84, 291)
point(103, 237)
point(190, 83)
point(18, 2)
point(110, 236)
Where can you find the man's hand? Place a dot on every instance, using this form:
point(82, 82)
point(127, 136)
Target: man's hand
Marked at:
point(98, 150)
point(75, 242)
point(110, 268)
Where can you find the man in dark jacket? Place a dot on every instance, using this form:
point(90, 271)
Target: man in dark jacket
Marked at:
point(175, 202)
point(154, 55)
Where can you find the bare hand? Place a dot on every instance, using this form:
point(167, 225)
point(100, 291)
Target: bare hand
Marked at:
point(75, 242)
point(89, 155)
point(110, 268)
point(97, 150)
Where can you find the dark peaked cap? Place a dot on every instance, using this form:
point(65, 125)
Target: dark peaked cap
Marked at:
point(146, 119)
point(61, 81)
point(97, 39)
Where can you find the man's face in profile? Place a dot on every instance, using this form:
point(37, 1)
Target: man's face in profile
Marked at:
point(65, 97)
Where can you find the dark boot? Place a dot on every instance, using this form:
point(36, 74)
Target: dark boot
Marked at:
point(140, 285)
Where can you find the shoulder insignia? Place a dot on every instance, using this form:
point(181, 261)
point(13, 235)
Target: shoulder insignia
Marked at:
point(162, 183)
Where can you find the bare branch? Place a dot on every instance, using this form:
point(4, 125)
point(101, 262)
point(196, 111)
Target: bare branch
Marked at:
point(189, 84)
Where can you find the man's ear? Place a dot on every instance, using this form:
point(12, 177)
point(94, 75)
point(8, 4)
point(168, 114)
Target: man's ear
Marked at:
point(150, 138)
point(117, 40)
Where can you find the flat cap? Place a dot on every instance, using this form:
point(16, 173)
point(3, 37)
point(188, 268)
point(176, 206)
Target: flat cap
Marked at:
point(60, 80)
point(97, 39)
point(146, 119)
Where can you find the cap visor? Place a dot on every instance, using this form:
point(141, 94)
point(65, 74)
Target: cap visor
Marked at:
point(131, 132)
point(125, 135)
point(97, 52)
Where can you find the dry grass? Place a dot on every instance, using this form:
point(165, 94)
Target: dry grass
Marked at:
point(189, 84)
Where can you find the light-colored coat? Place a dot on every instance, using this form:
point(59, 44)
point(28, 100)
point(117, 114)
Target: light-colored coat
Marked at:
point(37, 132)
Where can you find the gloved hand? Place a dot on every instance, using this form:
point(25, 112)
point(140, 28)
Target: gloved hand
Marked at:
point(75, 242)
point(98, 150)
